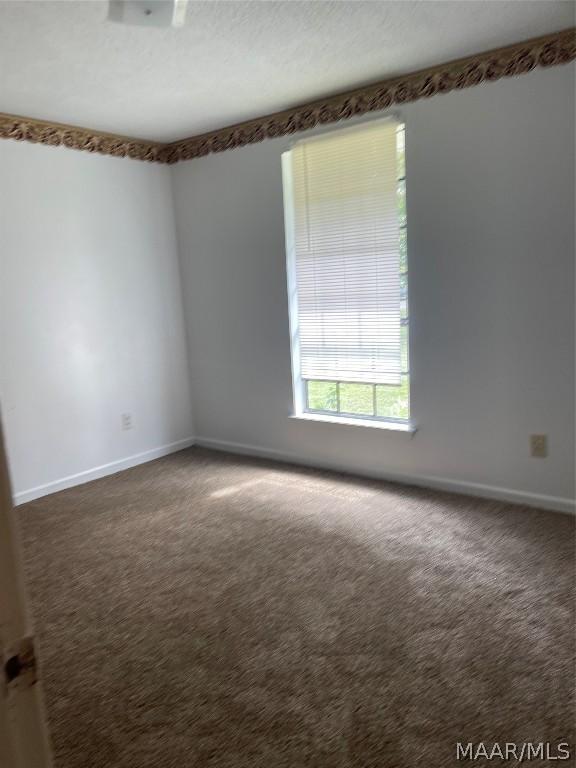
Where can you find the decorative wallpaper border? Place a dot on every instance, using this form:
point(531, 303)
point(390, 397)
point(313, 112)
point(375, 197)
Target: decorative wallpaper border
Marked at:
point(58, 134)
point(546, 51)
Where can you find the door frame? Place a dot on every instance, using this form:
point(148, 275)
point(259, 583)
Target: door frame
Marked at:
point(24, 740)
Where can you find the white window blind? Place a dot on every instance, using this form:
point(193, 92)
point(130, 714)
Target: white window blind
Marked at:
point(345, 251)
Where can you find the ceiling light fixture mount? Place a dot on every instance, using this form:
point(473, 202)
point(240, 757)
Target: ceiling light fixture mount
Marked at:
point(148, 13)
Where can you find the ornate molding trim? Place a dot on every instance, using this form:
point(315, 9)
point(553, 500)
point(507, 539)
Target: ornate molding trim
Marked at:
point(58, 134)
point(547, 51)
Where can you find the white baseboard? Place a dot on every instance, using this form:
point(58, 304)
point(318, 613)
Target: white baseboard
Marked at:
point(106, 469)
point(555, 503)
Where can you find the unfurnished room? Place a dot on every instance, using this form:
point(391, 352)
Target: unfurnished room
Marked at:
point(287, 383)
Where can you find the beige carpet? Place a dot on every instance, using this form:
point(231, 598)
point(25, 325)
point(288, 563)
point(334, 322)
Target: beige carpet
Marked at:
point(210, 610)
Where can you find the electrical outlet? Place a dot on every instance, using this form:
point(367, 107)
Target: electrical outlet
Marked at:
point(126, 420)
point(539, 446)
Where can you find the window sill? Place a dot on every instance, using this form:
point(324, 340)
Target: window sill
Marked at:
point(395, 426)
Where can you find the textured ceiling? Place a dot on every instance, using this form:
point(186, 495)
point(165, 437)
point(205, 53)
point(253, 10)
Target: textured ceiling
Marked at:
point(64, 61)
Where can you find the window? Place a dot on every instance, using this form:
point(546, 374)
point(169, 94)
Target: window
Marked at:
point(345, 215)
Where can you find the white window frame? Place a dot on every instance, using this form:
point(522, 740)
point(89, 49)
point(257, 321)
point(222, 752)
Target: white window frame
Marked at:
point(299, 386)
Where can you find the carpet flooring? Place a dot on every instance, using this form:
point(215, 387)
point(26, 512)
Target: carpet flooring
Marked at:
point(211, 610)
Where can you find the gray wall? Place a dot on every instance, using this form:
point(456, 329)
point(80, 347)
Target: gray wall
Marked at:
point(491, 257)
point(91, 322)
